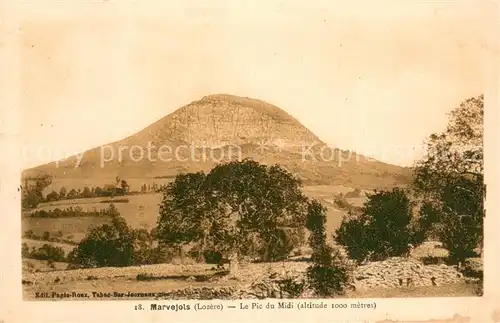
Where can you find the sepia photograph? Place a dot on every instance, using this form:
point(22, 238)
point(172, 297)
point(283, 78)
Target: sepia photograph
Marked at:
point(220, 150)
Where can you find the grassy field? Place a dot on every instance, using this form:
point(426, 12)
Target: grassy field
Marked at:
point(142, 212)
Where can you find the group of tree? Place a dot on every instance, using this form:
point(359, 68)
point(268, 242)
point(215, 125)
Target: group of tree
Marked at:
point(145, 188)
point(445, 200)
point(70, 212)
point(46, 252)
point(450, 180)
point(32, 194)
point(106, 191)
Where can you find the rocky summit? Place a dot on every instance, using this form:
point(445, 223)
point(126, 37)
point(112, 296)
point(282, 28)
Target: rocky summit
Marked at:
point(224, 127)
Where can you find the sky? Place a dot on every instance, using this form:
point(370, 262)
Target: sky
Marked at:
point(376, 77)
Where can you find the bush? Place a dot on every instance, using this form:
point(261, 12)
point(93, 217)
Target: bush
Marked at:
point(434, 260)
point(384, 228)
point(291, 288)
point(29, 234)
point(330, 274)
point(341, 201)
point(353, 194)
point(25, 250)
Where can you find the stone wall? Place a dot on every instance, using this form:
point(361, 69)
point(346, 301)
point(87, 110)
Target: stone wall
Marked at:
point(401, 272)
point(391, 273)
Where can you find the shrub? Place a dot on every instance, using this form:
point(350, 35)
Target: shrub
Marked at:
point(434, 260)
point(291, 288)
point(240, 208)
point(341, 201)
point(330, 274)
point(29, 234)
point(25, 250)
point(355, 193)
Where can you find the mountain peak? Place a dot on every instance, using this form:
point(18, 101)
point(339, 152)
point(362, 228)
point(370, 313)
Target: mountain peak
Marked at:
point(261, 130)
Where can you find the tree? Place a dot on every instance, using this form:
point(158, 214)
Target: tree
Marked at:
point(111, 244)
point(32, 195)
point(86, 192)
point(98, 191)
point(450, 179)
point(239, 207)
point(52, 196)
point(383, 229)
point(62, 193)
point(72, 194)
point(330, 273)
point(125, 187)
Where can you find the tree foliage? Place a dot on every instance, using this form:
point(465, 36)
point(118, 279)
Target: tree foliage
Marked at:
point(111, 244)
point(32, 194)
point(329, 273)
point(450, 179)
point(240, 207)
point(383, 229)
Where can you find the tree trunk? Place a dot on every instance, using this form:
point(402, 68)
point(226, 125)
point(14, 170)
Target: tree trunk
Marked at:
point(181, 255)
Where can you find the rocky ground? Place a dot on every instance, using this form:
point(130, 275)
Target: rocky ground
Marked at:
point(269, 280)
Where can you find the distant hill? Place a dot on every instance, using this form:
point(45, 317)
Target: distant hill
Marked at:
point(231, 127)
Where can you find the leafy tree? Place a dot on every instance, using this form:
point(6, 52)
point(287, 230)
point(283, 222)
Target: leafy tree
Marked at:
point(330, 273)
point(450, 179)
point(52, 196)
point(32, 195)
point(86, 192)
point(72, 194)
point(125, 187)
point(63, 192)
point(98, 191)
point(111, 244)
point(384, 229)
point(236, 208)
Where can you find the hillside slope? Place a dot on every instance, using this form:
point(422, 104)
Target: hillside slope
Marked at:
point(223, 127)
